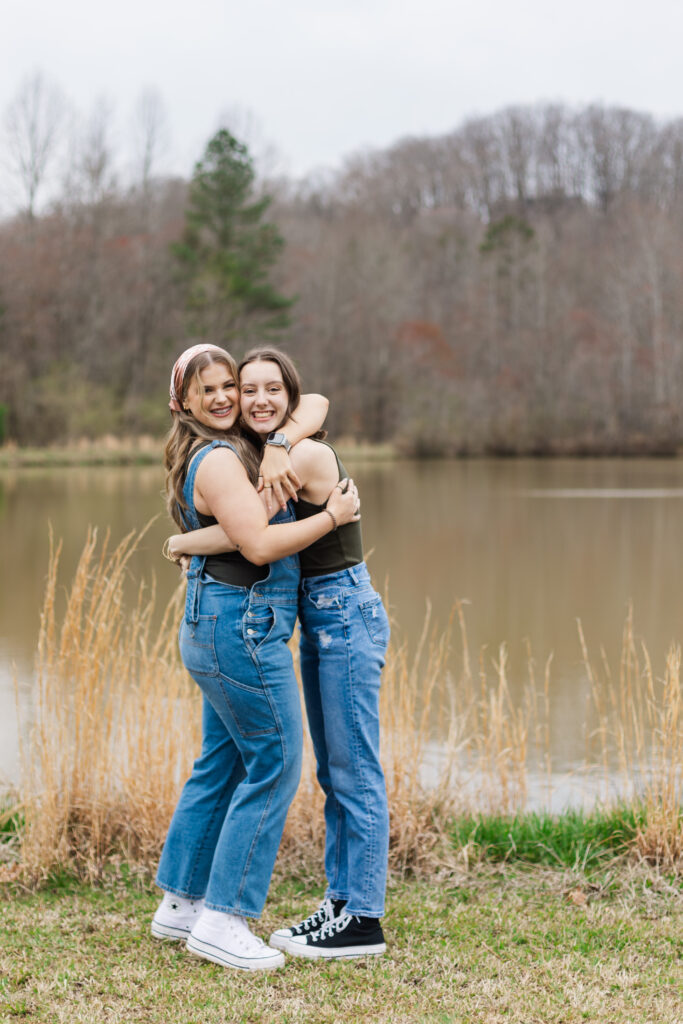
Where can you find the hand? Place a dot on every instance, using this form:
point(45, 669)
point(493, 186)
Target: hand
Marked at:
point(277, 479)
point(175, 546)
point(344, 503)
point(172, 550)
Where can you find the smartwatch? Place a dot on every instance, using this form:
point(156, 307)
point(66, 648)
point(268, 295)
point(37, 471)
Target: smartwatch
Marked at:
point(279, 440)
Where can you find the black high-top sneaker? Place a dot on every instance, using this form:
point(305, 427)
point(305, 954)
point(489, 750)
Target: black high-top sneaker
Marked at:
point(345, 936)
point(327, 911)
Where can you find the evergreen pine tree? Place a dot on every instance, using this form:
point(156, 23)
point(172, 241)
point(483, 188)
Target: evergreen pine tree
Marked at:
point(227, 249)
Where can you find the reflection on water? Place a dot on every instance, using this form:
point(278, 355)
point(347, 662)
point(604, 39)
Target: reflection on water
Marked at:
point(531, 545)
point(605, 492)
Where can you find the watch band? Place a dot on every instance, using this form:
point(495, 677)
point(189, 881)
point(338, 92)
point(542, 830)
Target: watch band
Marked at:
point(279, 440)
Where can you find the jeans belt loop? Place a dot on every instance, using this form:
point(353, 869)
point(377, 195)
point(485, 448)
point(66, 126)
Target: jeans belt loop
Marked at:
point(353, 575)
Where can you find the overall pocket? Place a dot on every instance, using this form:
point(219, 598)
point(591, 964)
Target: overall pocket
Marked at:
point(249, 708)
point(197, 648)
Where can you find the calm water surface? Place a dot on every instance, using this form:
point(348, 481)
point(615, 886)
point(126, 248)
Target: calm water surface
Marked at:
point(531, 545)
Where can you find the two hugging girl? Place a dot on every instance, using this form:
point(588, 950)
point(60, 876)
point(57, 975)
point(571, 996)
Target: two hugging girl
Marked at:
point(249, 577)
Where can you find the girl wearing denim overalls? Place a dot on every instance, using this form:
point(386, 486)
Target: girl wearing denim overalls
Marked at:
point(344, 636)
point(221, 846)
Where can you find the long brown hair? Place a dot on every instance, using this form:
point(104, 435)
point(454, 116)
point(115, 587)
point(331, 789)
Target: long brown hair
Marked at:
point(290, 377)
point(186, 431)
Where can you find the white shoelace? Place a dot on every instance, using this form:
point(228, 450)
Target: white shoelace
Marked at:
point(323, 915)
point(336, 925)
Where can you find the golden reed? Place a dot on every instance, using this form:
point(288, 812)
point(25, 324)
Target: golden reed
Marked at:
point(116, 725)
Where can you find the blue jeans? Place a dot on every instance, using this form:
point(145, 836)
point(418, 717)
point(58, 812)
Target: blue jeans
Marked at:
point(344, 637)
point(227, 826)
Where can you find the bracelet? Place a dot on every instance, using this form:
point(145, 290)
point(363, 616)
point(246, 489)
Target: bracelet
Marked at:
point(166, 552)
point(332, 517)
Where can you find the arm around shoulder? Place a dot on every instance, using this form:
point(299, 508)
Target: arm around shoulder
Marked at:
point(226, 491)
point(306, 419)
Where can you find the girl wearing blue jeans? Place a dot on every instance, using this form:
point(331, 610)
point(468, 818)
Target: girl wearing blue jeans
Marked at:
point(239, 614)
point(344, 636)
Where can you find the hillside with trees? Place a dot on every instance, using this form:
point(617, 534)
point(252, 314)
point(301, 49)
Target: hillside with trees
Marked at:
point(515, 286)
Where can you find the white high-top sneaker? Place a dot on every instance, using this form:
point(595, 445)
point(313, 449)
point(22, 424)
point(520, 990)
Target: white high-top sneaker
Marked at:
point(175, 917)
point(227, 939)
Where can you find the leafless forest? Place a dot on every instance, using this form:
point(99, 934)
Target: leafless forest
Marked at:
point(512, 287)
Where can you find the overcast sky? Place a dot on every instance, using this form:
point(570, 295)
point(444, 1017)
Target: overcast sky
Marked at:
point(325, 78)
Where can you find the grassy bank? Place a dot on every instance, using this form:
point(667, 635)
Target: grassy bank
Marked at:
point(106, 451)
point(140, 451)
point(489, 946)
point(116, 728)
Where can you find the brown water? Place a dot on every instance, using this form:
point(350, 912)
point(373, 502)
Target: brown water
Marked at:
point(532, 545)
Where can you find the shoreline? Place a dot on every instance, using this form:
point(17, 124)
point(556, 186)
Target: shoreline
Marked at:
point(148, 451)
point(591, 837)
point(145, 451)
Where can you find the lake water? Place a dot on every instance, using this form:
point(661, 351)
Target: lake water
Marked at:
point(532, 545)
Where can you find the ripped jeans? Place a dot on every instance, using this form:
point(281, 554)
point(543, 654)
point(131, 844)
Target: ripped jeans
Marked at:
point(344, 637)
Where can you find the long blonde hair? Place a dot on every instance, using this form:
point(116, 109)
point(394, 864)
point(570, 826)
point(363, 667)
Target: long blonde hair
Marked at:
point(186, 431)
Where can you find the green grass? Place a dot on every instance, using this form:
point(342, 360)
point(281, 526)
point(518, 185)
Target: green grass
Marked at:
point(572, 838)
point(11, 821)
point(492, 945)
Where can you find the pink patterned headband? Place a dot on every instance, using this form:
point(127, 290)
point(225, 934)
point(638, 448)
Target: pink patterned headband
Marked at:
point(178, 372)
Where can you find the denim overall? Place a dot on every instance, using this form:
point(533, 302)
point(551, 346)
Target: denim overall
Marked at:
point(344, 638)
point(226, 829)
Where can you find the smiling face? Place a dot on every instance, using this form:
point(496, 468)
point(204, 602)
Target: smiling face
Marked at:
point(263, 396)
point(213, 397)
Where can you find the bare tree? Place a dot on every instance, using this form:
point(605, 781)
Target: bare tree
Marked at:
point(94, 165)
point(150, 135)
point(33, 121)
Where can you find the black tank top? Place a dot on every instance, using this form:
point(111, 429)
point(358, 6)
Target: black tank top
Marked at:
point(229, 566)
point(339, 549)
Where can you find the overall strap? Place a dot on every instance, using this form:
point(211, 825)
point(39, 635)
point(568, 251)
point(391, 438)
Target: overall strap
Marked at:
point(191, 519)
point(190, 515)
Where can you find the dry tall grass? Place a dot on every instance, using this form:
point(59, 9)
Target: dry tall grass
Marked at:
point(115, 719)
point(640, 730)
point(117, 723)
